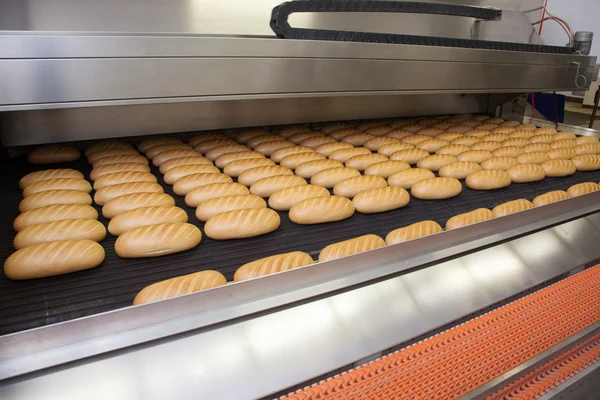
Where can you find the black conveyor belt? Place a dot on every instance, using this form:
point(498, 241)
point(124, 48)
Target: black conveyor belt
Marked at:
point(114, 284)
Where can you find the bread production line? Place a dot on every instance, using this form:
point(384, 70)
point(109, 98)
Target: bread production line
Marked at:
point(337, 271)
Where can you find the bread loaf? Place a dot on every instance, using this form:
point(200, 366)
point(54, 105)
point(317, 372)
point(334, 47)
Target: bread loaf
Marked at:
point(526, 127)
point(435, 162)
point(328, 148)
point(108, 193)
point(518, 142)
point(165, 156)
point(587, 139)
point(218, 151)
point(157, 240)
point(226, 158)
point(51, 155)
point(558, 168)
point(241, 224)
point(588, 162)
point(249, 176)
point(125, 159)
point(317, 141)
point(195, 140)
point(494, 137)
point(414, 139)
point(132, 201)
point(563, 144)
point(478, 133)
point(414, 231)
point(341, 133)
point(293, 160)
point(267, 186)
point(117, 178)
point(55, 212)
point(279, 154)
point(286, 198)
point(300, 137)
point(469, 218)
point(511, 124)
point(244, 136)
point(344, 155)
point(375, 143)
point(147, 143)
point(499, 163)
point(486, 126)
point(381, 199)
point(91, 149)
point(487, 146)
point(540, 139)
point(587, 148)
point(503, 129)
point(412, 127)
point(50, 197)
point(466, 140)
point(390, 148)
point(190, 182)
point(477, 156)
point(271, 265)
point(212, 207)
point(536, 147)
point(333, 126)
point(363, 161)
point(545, 131)
point(350, 247)
point(521, 134)
point(206, 145)
point(524, 173)
point(176, 173)
point(267, 137)
point(488, 180)
point(53, 258)
point(379, 130)
point(386, 168)
point(436, 188)
point(268, 148)
point(459, 170)
point(407, 178)
point(536, 157)
point(561, 154)
point(449, 136)
point(508, 151)
point(357, 139)
point(352, 186)
point(511, 207)
point(67, 229)
point(236, 168)
point(92, 158)
point(398, 134)
point(430, 131)
point(156, 150)
point(309, 169)
point(121, 167)
point(583, 188)
point(452, 149)
point(289, 131)
point(58, 184)
point(212, 191)
point(411, 156)
point(318, 210)
point(48, 174)
point(145, 216)
point(432, 145)
point(550, 197)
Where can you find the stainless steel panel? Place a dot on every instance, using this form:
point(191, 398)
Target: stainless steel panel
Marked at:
point(256, 357)
point(579, 130)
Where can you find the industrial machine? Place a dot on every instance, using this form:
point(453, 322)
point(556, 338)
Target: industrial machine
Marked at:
point(490, 309)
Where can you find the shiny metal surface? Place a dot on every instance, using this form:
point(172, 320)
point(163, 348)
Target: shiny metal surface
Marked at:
point(295, 344)
point(60, 343)
point(579, 130)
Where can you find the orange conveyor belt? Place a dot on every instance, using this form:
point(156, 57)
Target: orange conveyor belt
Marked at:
point(459, 360)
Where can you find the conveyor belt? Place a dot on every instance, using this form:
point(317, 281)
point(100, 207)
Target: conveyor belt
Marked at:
point(455, 362)
point(30, 304)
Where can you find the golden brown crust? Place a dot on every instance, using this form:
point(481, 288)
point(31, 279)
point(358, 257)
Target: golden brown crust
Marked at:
point(407, 178)
point(210, 208)
point(333, 126)
point(536, 157)
point(318, 210)
point(58, 184)
point(249, 176)
point(478, 133)
point(120, 167)
point(180, 286)
point(339, 134)
point(541, 139)
point(436, 188)
point(390, 148)
point(587, 139)
point(241, 224)
point(587, 148)
point(350, 247)
point(328, 148)
point(518, 142)
point(284, 199)
point(543, 131)
point(300, 137)
point(494, 137)
point(157, 240)
point(244, 136)
point(449, 136)
point(48, 174)
point(68, 229)
point(147, 143)
point(218, 151)
point(293, 160)
point(386, 168)
point(331, 176)
point(343, 155)
point(212, 191)
point(435, 162)
point(452, 149)
point(430, 131)
point(500, 163)
point(156, 150)
point(414, 139)
point(50, 197)
point(55, 212)
point(469, 218)
point(411, 156)
point(559, 168)
point(583, 188)
point(206, 145)
point(268, 148)
point(414, 231)
point(292, 130)
point(53, 258)
point(235, 168)
point(375, 143)
point(195, 140)
point(381, 199)
point(123, 177)
point(51, 155)
point(165, 156)
point(536, 147)
point(488, 180)
point(508, 151)
point(379, 130)
point(144, 216)
point(91, 149)
point(92, 158)
point(432, 145)
point(108, 193)
point(511, 207)
point(124, 159)
point(398, 134)
point(550, 197)
point(268, 137)
point(564, 136)
point(503, 130)
point(563, 144)
point(521, 133)
point(524, 173)
point(190, 182)
point(588, 162)
point(363, 161)
point(132, 201)
point(176, 173)
point(358, 139)
point(487, 146)
point(317, 141)
point(352, 186)
point(459, 169)
point(510, 124)
point(487, 126)
point(271, 265)
point(267, 186)
point(279, 154)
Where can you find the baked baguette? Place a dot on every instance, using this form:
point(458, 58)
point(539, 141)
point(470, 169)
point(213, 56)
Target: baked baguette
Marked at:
point(559, 168)
point(406, 179)
point(452, 149)
point(145, 216)
point(67, 229)
point(341, 133)
point(92, 158)
point(583, 188)
point(550, 197)
point(536, 147)
point(176, 173)
point(469, 218)
point(343, 155)
point(500, 163)
point(52, 155)
point(411, 156)
point(488, 179)
point(536, 157)
point(157, 240)
point(267, 186)
point(459, 169)
point(350, 247)
point(587, 139)
point(358, 139)
point(212, 191)
point(132, 201)
point(414, 139)
point(386, 168)
point(300, 137)
point(240, 224)
point(244, 136)
point(563, 144)
point(375, 143)
point(210, 208)
point(293, 160)
point(381, 199)
point(196, 140)
point(272, 265)
point(477, 156)
point(524, 173)
point(156, 150)
point(235, 168)
point(542, 138)
point(436, 188)
point(124, 159)
point(587, 148)
point(190, 182)
point(317, 141)
point(91, 149)
point(180, 286)
point(309, 169)
point(108, 193)
point(328, 148)
point(226, 158)
point(466, 140)
point(58, 184)
point(55, 212)
point(352, 186)
point(432, 145)
point(147, 143)
point(121, 167)
point(561, 154)
point(48, 174)
point(390, 148)
point(508, 151)
point(511, 207)
point(249, 176)
point(436, 161)
point(206, 145)
point(267, 137)
point(318, 210)
point(363, 161)
point(414, 231)
point(284, 199)
point(519, 142)
point(165, 156)
point(176, 162)
point(50, 197)
point(117, 178)
point(279, 154)
point(588, 162)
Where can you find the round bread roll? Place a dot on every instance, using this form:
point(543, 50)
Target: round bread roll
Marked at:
point(541, 139)
point(500, 163)
point(212, 207)
point(407, 178)
point(48, 174)
point(559, 168)
point(469, 218)
point(147, 143)
point(272, 265)
point(50, 197)
point(268, 148)
point(205, 146)
point(108, 193)
point(588, 162)
point(452, 149)
point(375, 143)
point(511, 207)
point(398, 134)
point(350, 247)
point(249, 176)
point(156, 150)
point(563, 144)
point(280, 154)
point(124, 159)
point(318, 210)
point(189, 182)
point(545, 131)
point(344, 155)
point(235, 168)
point(180, 286)
point(218, 151)
point(67, 229)
point(411, 156)
point(414, 139)
point(244, 136)
point(226, 158)
point(519, 142)
point(195, 140)
point(459, 170)
point(583, 188)
point(309, 169)
point(379, 130)
point(176, 173)
point(268, 137)
point(564, 136)
point(52, 155)
point(521, 134)
point(386, 168)
point(240, 224)
point(165, 156)
point(536, 157)
point(436, 188)
point(341, 133)
point(508, 151)
point(284, 199)
point(300, 137)
point(317, 141)
point(201, 194)
point(352, 186)
point(363, 161)
point(53, 258)
point(488, 180)
point(333, 126)
point(414, 231)
point(91, 149)
point(121, 167)
point(123, 177)
point(477, 156)
point(487, 146)
point(587, 148)
point(432, 145)
point(132, 201)
point(328, 148)
point(449, 136)
point(157, 240)
point(267, 186)
point(587, 139)
point(331, 176)
point(435, 162)
point(55, 212)
point(144, 216)
point(550, 197)
point(57, 184)
point(381, 199)
point(294, 160)
point(288, 131)
point(524, 173)
point(95, 156)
